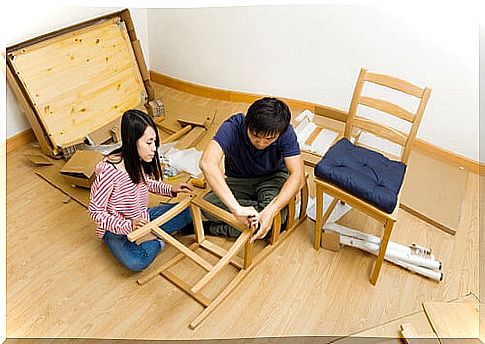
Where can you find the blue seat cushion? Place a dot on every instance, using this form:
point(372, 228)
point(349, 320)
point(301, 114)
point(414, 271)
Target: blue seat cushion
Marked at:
point(364, 173)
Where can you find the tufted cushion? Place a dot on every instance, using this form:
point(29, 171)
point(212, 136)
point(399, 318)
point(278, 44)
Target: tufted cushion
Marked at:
point(364, 173)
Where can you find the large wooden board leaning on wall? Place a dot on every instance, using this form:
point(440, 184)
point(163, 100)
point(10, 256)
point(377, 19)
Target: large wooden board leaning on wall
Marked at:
point(431, 183)
point(76, 80)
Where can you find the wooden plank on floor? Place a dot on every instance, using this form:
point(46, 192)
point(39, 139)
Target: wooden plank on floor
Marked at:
point(453, 320)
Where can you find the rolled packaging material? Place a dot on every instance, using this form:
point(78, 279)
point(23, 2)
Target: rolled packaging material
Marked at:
point(402, 252)
point(423, 264)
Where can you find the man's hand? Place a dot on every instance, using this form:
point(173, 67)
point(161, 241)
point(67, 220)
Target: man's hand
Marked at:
point(265, 222)
point(247, 216)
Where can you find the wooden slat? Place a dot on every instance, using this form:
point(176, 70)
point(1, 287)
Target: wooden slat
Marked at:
point(276, 228)
point(197, 223)
point(189, 140)
point(185, 287)
point(410, 336)
point(182, 248)
point(175, 136)
point(221, 252)
point(248, 254)
point(241, 240)
point(304, 199)
point(221, 214)
point(382, 251)
point(142, 231)
point(291, 213)
point(379, 130)
point(174, 260)
point(313, 135)
point(414, 129)
point(385, 106)
point(395, 83)
point(354, 104)
point(218, 300)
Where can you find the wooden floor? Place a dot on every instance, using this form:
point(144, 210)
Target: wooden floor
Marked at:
point(63, 282)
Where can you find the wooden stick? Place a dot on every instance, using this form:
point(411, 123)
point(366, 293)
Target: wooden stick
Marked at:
point(184, 286)
point(176, 135)
point(183, 249)
point(168, 264)
point(291, 213)
point(142, 231)
point(218, 300)
point(221, 214)
point(197, 221)
point(241, 240)
point(221, 252)
point(382, 251)
point(248, 254)
point(275, 232)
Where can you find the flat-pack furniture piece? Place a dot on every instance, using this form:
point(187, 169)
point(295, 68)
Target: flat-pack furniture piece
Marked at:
point(364, 178)
point(227, 256)
point(76, 80)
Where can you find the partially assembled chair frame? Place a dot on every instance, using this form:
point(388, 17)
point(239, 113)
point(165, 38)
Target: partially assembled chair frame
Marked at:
point(245, 264)
point(356, 122)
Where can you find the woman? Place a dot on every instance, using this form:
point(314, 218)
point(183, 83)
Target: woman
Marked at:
point(119, 194)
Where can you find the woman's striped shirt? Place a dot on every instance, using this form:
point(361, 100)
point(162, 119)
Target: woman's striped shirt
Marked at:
point(115, 200)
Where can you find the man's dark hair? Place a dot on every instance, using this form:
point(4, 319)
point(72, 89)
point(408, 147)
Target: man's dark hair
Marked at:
point(268, 116)
point(133, 126)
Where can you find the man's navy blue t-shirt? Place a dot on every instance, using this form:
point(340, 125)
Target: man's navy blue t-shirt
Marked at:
point(243, 160)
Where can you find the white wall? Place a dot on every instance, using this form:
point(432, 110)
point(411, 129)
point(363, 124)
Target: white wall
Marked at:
point(315, 52)
point(482, 96)
point(30, 21)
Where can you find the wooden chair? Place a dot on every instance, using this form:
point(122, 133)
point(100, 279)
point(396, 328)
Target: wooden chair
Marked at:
point(227, 256)
point(405, 140)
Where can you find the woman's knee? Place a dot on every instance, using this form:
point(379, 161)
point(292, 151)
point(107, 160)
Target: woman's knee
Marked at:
point(141, 261)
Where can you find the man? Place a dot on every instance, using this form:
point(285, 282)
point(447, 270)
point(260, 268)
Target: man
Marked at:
point(263, 166)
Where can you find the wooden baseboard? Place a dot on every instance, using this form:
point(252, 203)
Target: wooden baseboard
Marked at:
point(24, 137)
point(241, 97)
point(337, 114)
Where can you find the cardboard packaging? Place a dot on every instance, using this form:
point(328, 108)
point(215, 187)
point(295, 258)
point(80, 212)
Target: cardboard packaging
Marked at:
point(79, 170)
point(76, 81)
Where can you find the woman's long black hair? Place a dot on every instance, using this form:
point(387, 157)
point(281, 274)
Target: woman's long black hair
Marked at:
point(133, 126)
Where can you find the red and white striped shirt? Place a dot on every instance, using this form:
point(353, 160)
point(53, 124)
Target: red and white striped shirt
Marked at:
point(115, 200)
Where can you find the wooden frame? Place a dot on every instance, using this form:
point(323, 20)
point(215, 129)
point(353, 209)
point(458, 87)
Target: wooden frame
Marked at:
point(406, 140)
point(75, 80)
point(244, 265)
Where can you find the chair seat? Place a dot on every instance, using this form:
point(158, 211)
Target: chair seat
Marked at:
point(364, 173)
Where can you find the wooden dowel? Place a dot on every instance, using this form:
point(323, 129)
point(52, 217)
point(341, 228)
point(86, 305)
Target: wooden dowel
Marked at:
point(241, 240)
point(142, 231)
point(219, 213)
point(182, 248)
point(145, 279)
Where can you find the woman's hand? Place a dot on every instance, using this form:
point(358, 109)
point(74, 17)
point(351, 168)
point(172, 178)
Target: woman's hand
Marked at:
point(181, 188)
point(147, 237)
point(138, 223)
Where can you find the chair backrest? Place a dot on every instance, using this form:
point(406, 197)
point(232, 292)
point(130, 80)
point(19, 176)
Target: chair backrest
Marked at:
point(394, 135)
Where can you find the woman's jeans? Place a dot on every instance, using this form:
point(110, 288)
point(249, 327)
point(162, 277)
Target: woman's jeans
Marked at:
point(138, 257)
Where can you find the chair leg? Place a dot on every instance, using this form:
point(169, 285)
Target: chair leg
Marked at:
point(318, 220)
point(321, 220)
point(382, 251)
